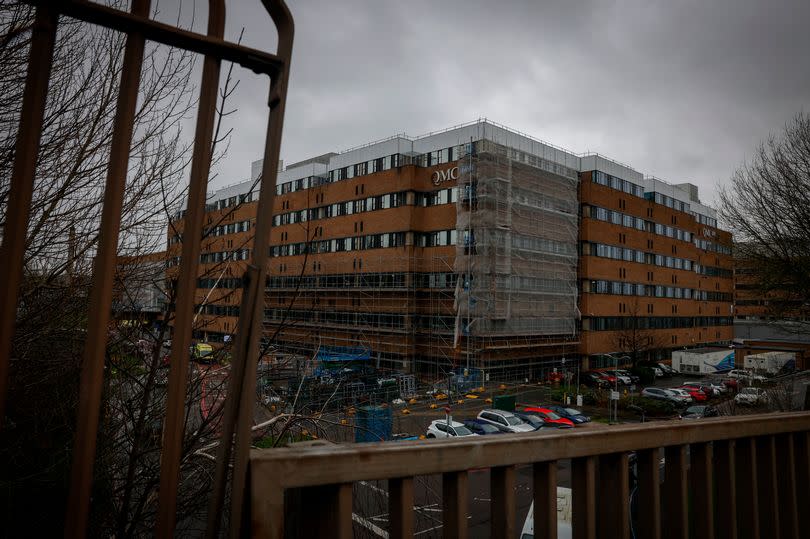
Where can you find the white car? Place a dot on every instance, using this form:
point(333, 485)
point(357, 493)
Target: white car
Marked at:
point(441, 428)
point(751, 396)
point(681, 394)
point(718, 387)
point(623, 377)
point(741, 374)
point(658, 372)
point(505, 421)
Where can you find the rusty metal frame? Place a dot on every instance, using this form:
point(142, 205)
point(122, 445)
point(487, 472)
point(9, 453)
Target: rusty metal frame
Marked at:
point(139, 27)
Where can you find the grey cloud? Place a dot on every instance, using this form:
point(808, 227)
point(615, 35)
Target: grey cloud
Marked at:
point(680, 90)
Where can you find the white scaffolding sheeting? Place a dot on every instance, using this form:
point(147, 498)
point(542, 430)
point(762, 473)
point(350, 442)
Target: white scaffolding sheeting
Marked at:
point(517, 251)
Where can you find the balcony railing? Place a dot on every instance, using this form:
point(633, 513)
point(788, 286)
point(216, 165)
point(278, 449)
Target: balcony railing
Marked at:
point(743, 476)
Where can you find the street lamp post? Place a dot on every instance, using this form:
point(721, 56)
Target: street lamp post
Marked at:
point(615, 402)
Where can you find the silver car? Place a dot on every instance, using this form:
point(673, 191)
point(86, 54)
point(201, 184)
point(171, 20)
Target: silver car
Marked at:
point(662, 394)
point(505, 421)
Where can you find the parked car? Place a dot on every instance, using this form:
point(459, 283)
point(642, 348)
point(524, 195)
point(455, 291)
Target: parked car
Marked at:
point(551, 419)
point(592, 379)
point(534, 420)
point(664, 395)
point(481, 427)
point(624, 378)
point(730, 384)
point(506, 421)
point(606, 376)
point(658, 372)
point(666, 369)
point(699, 412)
point(751, 396)
point(439, 428)
point(741, 374)
point(569, 413)
point(682, 394)
point(633, 377)
point(696, 393)
point(706, 387)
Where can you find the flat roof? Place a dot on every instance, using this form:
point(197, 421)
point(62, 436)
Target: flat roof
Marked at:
point(707, 350)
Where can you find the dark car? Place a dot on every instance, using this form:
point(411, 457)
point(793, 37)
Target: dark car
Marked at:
point(551, 419)
point(699, 412)
point(569, 413)
point(535, 421)
point(667, 370)
point(481, 427)
point(593, 379)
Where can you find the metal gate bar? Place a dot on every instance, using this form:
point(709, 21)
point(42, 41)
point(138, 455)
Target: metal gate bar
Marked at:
point(187, 282)
point(18, 209)
point(92, 378)
point(139, 27)
point(250, 320)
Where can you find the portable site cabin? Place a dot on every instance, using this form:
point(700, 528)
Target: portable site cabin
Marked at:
point(703, 360)
point(771, 362)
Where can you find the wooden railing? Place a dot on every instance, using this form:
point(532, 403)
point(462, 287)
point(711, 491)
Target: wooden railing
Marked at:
point(724, 477)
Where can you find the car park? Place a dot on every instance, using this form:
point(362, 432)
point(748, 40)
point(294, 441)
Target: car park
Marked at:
point(549, 417)
point(751, 396)
point(570, 413)
point(699, 412)
point(505, 421)
point(481, 428)
point(442, 428)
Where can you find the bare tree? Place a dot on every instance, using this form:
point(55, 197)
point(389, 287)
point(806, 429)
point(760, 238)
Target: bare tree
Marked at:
point(635, 339)
point(36, 440)
point(767, 208)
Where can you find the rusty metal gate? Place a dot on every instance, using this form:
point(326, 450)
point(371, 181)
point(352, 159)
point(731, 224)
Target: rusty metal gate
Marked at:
point(138, 27)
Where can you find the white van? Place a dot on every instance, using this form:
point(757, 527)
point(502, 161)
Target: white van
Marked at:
point(563, 517)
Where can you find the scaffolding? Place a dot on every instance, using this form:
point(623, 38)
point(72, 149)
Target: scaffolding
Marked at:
point(517, 218)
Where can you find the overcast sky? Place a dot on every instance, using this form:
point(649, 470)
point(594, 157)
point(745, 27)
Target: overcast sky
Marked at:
point(683, 90)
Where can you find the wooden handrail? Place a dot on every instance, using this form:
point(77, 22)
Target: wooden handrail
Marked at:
point(299, 467)
point(749, 449)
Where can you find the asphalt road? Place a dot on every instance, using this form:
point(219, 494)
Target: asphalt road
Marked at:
point(371, 503)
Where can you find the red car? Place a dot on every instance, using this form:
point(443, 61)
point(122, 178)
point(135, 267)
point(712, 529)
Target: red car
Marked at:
point(696, 394)
point(611, 379)
point(549, 417)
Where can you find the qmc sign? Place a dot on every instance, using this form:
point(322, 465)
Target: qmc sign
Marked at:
point(441, 176)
